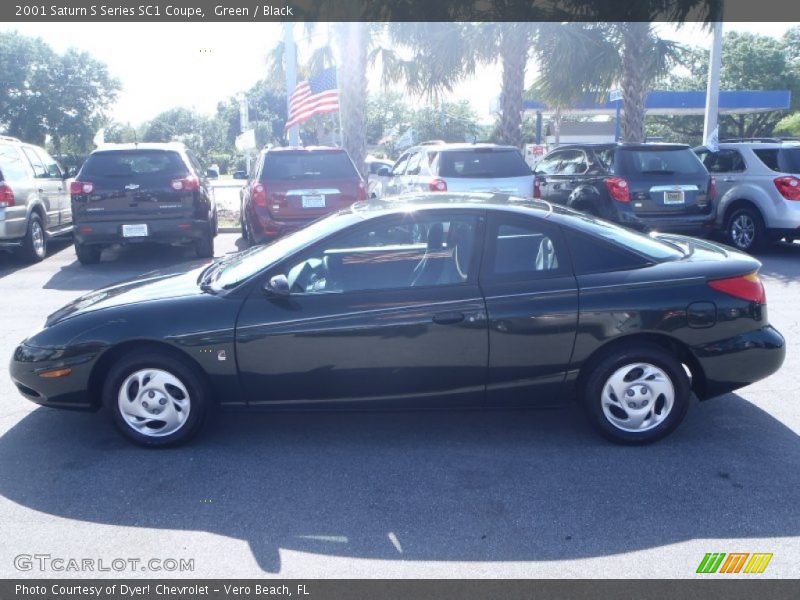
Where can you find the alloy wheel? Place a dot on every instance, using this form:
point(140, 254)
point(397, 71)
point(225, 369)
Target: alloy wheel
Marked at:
point(743, 231)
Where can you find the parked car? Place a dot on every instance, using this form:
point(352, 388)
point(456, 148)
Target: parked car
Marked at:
point(290, 187)
point(376, 176)
point(436, 300)
point(660, 187)
point(439, 167)
point(34, 199)
point(136, 193)
point(758, 186)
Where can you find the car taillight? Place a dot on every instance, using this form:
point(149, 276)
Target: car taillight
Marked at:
point(6, 196)
point(76, 188)
point(789, 187)
point(712, 189)
point(259, 195)
point(438, 185)
point(537, 190)
point(362, 191)
point(619, 189)
point(189, 183)
point(747, 287)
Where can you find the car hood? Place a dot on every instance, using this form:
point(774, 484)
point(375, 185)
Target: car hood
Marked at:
point(158, 286)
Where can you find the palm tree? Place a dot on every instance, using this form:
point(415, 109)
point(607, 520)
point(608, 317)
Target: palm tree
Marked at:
point(576, 58)
point(352, 40)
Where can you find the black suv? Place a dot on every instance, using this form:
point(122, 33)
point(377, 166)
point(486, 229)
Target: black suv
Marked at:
point(133, 193)
point(644, 186)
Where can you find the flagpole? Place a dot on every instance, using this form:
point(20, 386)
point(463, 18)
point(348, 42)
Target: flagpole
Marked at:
point(339, 112)
point(290, 66)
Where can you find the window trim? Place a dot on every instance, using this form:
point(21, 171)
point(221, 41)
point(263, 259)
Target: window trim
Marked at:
point(283, 267)
point(554, 232)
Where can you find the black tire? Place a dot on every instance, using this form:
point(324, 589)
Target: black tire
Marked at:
point(88, 254)
point(749, 220)
point(204, 246)
point(185, 372)
point(243, 224)
point(34, 244)
point(618, 360)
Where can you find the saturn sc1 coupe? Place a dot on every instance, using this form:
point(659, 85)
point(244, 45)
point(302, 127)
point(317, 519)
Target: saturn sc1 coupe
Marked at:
point(430, 301)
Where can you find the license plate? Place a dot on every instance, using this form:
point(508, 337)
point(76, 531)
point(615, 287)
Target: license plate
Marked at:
point(314, 201)
point(673, 197)
point(138, 230)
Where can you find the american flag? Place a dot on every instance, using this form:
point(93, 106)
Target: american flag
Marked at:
point(314, 96)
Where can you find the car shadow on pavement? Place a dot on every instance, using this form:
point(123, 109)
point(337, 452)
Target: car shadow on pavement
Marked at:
point(122, 263)
point(781, 261)
point(435, 486)
point(10, 263)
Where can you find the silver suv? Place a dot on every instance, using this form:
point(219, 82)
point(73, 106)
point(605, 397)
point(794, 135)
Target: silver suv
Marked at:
point(440, 167)
point(34, 199)
point(758, 190)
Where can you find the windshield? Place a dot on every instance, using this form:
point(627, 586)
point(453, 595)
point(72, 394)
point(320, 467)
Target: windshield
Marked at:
point(308, 166)
point(236, 268)
point(681, 161)
point(642, 244)
point(482, 163)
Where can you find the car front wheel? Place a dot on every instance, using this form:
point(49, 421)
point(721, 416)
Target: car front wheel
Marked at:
point(155, 399)
point(637, 395)
point(745, 229)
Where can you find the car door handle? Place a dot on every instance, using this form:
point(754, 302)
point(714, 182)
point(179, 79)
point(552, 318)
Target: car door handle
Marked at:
point(728, 179)
point(448, 318)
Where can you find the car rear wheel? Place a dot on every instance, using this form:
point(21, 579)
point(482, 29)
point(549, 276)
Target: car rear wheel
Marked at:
point(34, 244)
point(155, 399)
point(204, 246)
point(745, 229)
point(88, 254)
point(637, 395)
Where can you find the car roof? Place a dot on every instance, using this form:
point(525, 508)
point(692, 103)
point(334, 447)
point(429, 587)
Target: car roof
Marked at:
point(110, 147)
point(301, 149)
point(625, 145)
point(461, 146)
point(458, 201)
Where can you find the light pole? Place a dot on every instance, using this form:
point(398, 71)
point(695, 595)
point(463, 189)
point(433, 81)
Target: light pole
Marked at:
point(712, 89)
point(244, 123)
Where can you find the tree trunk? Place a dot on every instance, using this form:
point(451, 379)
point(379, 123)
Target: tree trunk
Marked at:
point(352, 81)
point(514, 53)
point(634, 87)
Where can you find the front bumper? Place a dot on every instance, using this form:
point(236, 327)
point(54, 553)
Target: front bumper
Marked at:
point(165, 231)
point(70, 392)
point(739, 361)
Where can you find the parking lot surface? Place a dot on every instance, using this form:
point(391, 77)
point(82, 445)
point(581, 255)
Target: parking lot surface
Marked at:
point(440, 494)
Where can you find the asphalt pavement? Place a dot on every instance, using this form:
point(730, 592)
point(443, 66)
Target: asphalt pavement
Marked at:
point(441, 494)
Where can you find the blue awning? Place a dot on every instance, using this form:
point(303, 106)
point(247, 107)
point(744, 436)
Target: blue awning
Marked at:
point(680, 103)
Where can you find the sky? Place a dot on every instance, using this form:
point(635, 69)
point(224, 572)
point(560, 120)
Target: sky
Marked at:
point(196, 65)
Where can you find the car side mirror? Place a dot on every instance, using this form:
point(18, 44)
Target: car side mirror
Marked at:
point(70, 172)
point(384, 172)
point(277, 286)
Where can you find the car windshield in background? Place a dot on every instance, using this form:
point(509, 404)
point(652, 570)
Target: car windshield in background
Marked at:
point(783, 160)
point(132, 163)
point(233, 270)
point(661, 161)
point(11, 167)
point(308, 165)
point(644, 245)
point(480, 163)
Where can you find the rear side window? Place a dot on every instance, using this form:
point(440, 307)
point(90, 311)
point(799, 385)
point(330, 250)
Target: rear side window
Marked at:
point(134, 163)
point(783, 160)
point(660, 161)
point(522, 248)
point(11, 166)
point(308, 166)
point(590, 255)
point(482, 163)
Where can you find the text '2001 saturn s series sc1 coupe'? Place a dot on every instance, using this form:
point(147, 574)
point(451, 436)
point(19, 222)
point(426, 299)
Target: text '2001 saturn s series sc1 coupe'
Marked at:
point(435, 300)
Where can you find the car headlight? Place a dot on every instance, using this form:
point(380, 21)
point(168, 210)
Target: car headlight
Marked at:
point(26, 353)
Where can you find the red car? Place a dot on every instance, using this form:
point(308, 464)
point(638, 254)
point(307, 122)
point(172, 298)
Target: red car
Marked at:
point(290, 187)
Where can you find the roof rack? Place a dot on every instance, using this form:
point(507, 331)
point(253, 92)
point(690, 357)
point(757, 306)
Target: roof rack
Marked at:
point(761, 140)
point(8, 138)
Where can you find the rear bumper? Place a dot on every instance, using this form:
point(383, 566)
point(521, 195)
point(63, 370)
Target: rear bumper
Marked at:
point(13, 229)
point(168, 231)
point(739, 361)
point(265, 228)
point(687, 224)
